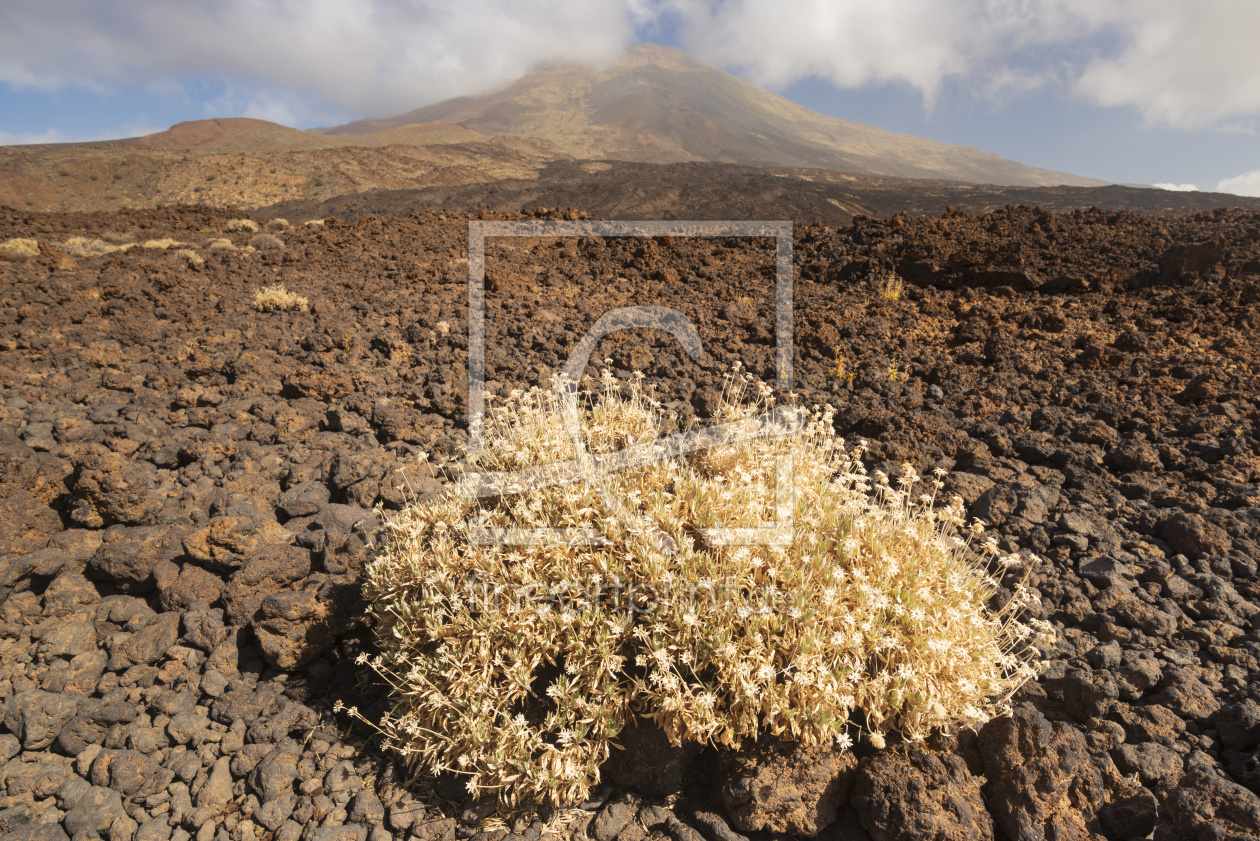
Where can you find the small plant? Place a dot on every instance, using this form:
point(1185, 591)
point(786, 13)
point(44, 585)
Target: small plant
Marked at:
point(220, 244)
point(266, 242)
point(891, 287)
point(165, 242)
point(19, 248)
point(238, 225)
point(191, 258)
point(89, 247)
point(516, 655)
point(207, 230)
point(277, 225)
point(443, 328)
point(273, 298)
point(315, 222)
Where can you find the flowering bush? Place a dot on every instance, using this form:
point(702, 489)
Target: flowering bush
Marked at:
point(762, 582)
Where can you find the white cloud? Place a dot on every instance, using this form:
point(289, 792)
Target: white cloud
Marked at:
point(856, 42)
point(375, 57)
point(26, 138)
point(1181, 63)
point(1176, 188)
point(19, 138)
point(1247, 184)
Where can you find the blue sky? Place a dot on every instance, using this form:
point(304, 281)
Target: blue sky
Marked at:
point(1130, 91)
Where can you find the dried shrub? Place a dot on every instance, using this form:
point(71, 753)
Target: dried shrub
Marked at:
point(118, 238)
point(191, 258)
point(272, 298)
point(89, 247)
point(891, 286)
point(316, 222)
point(19, 248)
point(277, 225)
point(165, 242)
point(219, 244)
point(241, 225)
point(266, 242)
point(516, 665)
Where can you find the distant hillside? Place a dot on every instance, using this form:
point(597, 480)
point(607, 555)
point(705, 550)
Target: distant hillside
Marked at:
point(631, 190)
point(247, 163)
point(660, 105)
point(241, 134)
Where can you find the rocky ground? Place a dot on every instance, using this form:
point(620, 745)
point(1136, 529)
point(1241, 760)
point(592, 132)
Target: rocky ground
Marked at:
point(188, 487)
point(629, 190)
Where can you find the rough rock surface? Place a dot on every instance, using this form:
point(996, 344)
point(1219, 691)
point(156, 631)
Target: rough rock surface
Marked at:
point(187, 490)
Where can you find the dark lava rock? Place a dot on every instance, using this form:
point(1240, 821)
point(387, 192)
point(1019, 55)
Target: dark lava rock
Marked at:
point(294, 628)
point(1189, 534)
point(181, 587)
point(647, 762)
point(113, 489)
point(1238, 724)
point(26, 524)
point(1205, 805)
point(224, 543)
point(147, 645)
point(920, 795)
point(1041, 783)
point(272, 569)
point(781, 787)
point(129, 554)
point(268, 715)
point(36, 717)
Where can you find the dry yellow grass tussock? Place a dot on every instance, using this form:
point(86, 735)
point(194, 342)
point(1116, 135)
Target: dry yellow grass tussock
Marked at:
point(89, 247)
point(266, 242)
point(19, 248)
point(867, 616)
point(272, 298)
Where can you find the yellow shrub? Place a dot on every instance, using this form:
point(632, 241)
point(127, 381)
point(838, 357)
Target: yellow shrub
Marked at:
point(868, 616)
point(19, 248)
point(89, 247)
point(191, 258)
point(272, 298)
point(248, 225)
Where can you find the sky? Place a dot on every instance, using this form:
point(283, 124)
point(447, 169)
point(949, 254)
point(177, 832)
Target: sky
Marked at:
point(1162, 92)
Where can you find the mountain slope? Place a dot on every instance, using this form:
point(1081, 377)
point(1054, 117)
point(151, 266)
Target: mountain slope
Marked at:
point(659, 105)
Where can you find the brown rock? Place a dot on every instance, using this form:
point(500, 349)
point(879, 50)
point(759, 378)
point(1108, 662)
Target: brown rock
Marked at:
point(1189, 534)
point(294, 628)
point(26, 524)
point(190, 584)
point(920, 795)
point(112, 489)
point(225, 542)
point(781, 787)
point(1041, 783)
point(1205, 805)
point(270, 570)
point(129, 555)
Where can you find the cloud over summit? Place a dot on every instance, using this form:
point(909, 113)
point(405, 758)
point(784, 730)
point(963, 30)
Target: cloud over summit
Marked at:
point(1180, 63)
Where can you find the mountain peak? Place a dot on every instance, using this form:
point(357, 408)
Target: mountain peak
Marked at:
point(658, 104)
